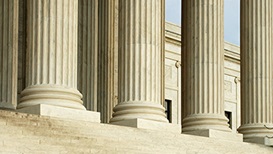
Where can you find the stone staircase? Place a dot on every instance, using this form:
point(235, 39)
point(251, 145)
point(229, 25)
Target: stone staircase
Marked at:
point(24, 133)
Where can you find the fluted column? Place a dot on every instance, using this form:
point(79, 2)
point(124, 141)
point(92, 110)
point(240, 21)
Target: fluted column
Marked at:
point(88, 52)
point(51, 72)
point(22, 43)
point(256, 68)
point(203, 44)
point(140, 61)
point(107, 58)
point(8, 53)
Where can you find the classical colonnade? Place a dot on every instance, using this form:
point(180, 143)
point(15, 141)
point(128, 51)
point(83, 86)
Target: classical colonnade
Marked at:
point(52, 60)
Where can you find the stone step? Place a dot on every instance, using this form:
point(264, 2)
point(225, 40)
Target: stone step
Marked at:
point(22, 133)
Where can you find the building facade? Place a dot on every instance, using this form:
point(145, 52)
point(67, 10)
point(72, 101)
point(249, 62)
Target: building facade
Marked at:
point(118, 62)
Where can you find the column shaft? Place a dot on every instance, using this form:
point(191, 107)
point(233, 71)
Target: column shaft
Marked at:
point(203, 58)
point(140, 61)
point(88, 52)
point(8, 53)
point(51, 72)
point(107, 58)
point(256, 68)
point(22, 44)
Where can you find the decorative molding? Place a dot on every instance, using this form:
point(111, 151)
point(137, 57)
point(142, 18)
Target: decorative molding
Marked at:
point(237, 80)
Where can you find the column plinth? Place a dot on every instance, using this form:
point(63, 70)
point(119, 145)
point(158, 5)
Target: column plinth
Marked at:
point(203, 72)
point(140, 62)
point(256, 70)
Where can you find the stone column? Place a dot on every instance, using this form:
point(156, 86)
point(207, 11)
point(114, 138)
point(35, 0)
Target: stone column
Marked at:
point(256, 69)
point(8, 53)
point(203, 72)
point(140, 63)
point(88, 52)
point(107, 58)
point(22, 43)
point(52, 54)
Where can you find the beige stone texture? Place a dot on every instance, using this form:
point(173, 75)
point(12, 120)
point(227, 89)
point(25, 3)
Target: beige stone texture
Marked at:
point(232, 85)
point(173, 76)
point(211, 133)
point(51, 69)
point(140, 61)
point(172, 73)
point(88, 52)
point(62, 113)
point(22, 47)
point(116, 51)
point(8, 53)
point(107, 58)
point(203, 61)
point(22, 133)
point(256, 72)
point(149, 124)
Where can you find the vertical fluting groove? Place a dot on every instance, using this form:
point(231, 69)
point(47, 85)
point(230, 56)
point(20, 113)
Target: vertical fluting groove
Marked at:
point(256, 66)
point(63, 42)
point(140, 89)
point(88, 52)
point(68, 42)
point(49, 44)
point(42, 80)
point(6, 47)
point(203, 65)
point(8, 52)
point(55, 51)
point(145, 27)
point(38, 46)
point(140, 60)
point(2, 53)
point(51, 66)
point(32, 74)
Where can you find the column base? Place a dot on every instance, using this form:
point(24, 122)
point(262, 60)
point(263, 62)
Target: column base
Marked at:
point(217, 134)
point(149, 124)
point(62, 112)
point(55, 95)
point(260, 133)
point(139, 110)
point(196, 122)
